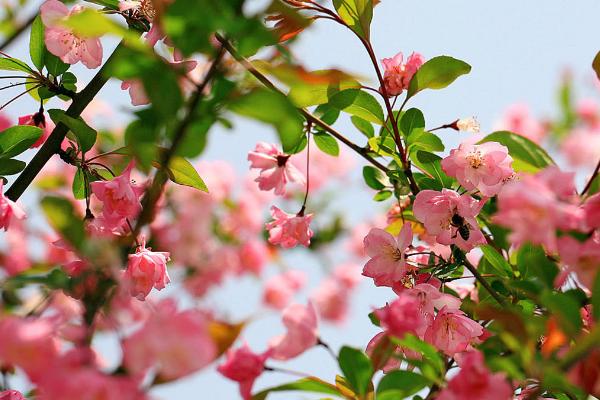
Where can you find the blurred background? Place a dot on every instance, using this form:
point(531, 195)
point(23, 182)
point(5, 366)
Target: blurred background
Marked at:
point(520, 51)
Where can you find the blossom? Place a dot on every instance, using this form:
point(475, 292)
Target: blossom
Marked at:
point(397, 74)
point(591, 209)
point(174, 343)
point(450, 217)
point(583, 258)
point(402, 316)
point(452, 331)
point(582, 147)
point(484, 167)
point(301, 335)
point(468, 125)
point(331, 299)
point(63, 42)
point(387, 264)
point(475, 381)
point(38, 120)
point(280, 288)
point(289, 230)
point(120, 197)
point(586, 373)
point(11, 395)
point(137, 93)
point(8, 210)
point(243, 366)
point(518, 119)
point(275, 170)
point(431, 298)
point(146, 269)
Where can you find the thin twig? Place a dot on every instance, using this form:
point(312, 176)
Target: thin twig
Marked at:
point(591, 180)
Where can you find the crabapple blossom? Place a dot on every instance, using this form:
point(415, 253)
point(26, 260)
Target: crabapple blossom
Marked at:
point(403, 316)
point(38, 120)
point(174, 343)
point(443, 213)
point(431, 298)
point(475, 381)
point(484, 167)
point(452, 331)
point(581, 257)
point(280, 289)
point(586, 373)
point(9, 210)
point(289, 230)
point(398, 74)
point(582, 147)
point(243, 366)
point(120, 197)
point(468, 125)
point(301, 324)
point(591, 209)
point(387, 264)
point(393, 362)
point(331, 300)
point(146, 269)
point(63, 42)
point(11, 395)
point(16, 259)
point(275, 169)
point(518, 119)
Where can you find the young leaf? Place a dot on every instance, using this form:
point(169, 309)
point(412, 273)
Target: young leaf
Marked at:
point(357, 369)
point(382, 195)
point(310, 384)
point(275, 109)
point(437, 73)
point(359, 103)
point(327, 143)
point(374, 178)
point(78, 186)
point(363, 126)
point(182, 172)
point(423, 140)
point(411, 119)
point(36, 43)
point(357, 14)
point(54, 65)
point(500, 265)
point(14, 64)
point(17, 139)
point(431, 164)
point(85, 135)
point(10, 166)
point(400, 384)
point(62, 217)
point(527, 155)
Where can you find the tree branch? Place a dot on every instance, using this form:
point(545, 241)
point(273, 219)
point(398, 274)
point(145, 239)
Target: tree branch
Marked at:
point(483, 282)
point(52, 145)
point(591, 180)
point(17, 32)
point(309, 117)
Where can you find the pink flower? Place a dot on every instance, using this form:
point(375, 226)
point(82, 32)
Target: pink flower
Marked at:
point(275, 170)
point(591, 209)
point(431, 298)
point(281, 288)
point(8, 210)
point(484, 167)
point(146, 269)
point(11, 395)
point(397, 75)
point(582, 147)
point(289, 230)
point(475, 381)
point(452, 331)
point(173, 343)
point(16, 259)
point(583, 258)
point(64, 43)
point(387, 264)
point(253, 255)
point(347, 275)
point(38, 120)
point(137, 93)
point(301, 324)
point(331, 299)
point(517, 119)
point(243, 366)
point(450, 217)
point(120, 197)
point(403, 316)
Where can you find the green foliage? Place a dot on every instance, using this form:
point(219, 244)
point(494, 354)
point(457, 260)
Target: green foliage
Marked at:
point(14, 64)
point(182, 172)
point(54, 65)
point(311, 384)
point(358, 103)
point(363, 126)
point(374, 178)
point(535, 266)
point(565, 308)
point(62, 217)
point(357, 369)
point(430, 164)
point(9, 166)
point(411, 119)
point(275, 109)
point(527, 155)
point(78, 187)
point(16, 139)
point(327, 143)
point(500, 265)
point(36, 43)
point(431, 365)
point(596, 298)
point(400, 384)
point(357, 14)
point(437, 73)
point(82, 132)
point(420, 139)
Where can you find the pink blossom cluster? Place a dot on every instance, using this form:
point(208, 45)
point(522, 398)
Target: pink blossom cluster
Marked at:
point(398, 74)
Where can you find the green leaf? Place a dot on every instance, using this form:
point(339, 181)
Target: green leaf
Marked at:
point(311, 384)
point(182, 172)
point(36, 43)
point(327, 143)
point(400, 384)
point(565, 308)
point(533, 264)
point(304, 95)
point(10, 167)
point(500, 265)
point(85, 135)
point(429, 353)
point(78, 186)
point(437, 73)
point(14, 64)
point(16, 139)
point(374, 178)
point(423, 140)
point(62, 217)
point(363, 126)
point(357, 369)
point(431, 164)
point(596, 297)
point(527, 155)
point(382, 195)
point(411, 119)
point(54, 65)
point(275, 109)
point(357, 14)
point(358, 103)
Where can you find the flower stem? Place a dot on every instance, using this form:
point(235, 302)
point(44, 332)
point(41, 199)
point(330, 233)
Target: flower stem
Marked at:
point(591, 180)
